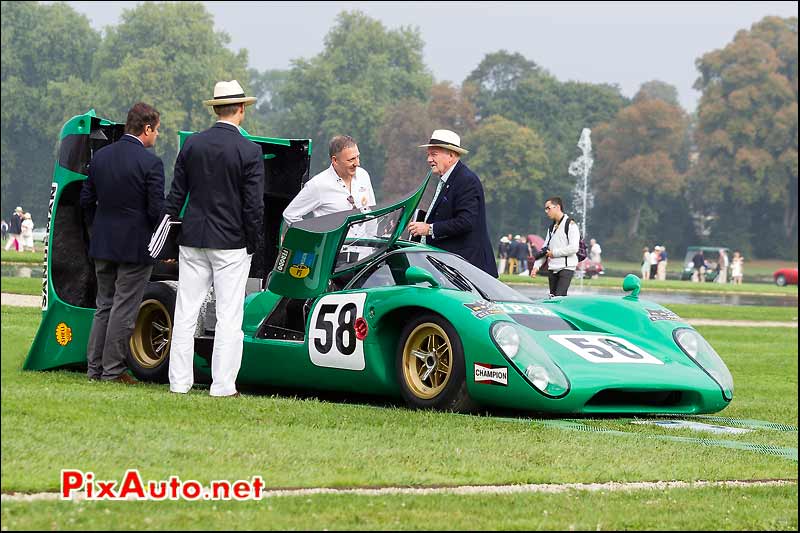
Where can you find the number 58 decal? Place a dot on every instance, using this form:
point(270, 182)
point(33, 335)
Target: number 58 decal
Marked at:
point(599, 348)
point(332, 336)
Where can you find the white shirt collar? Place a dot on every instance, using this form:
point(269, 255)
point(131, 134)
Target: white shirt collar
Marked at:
point(231, 123)
point(135, 137)
point(449, 171)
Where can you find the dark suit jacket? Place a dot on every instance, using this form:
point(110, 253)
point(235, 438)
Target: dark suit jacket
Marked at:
point(125, 193)
point(222, 173)
point(459, 220)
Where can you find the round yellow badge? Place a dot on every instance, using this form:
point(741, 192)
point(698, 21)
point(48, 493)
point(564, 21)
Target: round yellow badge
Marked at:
point(63, 334)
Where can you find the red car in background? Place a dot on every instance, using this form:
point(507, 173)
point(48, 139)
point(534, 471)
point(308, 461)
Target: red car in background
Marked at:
point(785, 276)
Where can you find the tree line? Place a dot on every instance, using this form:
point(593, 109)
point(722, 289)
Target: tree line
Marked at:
point(725, 175)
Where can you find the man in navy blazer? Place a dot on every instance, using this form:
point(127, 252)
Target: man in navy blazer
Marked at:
point(456, 220)
point(222, 175)
point(123, 197)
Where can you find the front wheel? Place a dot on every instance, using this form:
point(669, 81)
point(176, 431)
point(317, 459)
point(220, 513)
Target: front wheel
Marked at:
point(430, 365)
point(148, 358)
point(780, 281)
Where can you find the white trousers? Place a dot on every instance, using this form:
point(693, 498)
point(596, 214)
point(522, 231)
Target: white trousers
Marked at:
point(198, 268)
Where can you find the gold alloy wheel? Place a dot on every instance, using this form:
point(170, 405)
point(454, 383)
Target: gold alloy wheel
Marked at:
point(151, 334)
point(427, 360)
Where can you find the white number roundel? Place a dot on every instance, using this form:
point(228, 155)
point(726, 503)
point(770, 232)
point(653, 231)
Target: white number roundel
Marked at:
point(332, 338)
point(599, 348)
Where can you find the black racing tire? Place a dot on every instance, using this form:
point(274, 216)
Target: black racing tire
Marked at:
point(430, 365)
point(148, 357)
point(780, 280)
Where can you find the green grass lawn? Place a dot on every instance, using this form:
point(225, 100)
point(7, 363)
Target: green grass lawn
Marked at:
point(734, 312)
point(55, 420)
point(10, 256)
point(32, 286)
point(756, 268)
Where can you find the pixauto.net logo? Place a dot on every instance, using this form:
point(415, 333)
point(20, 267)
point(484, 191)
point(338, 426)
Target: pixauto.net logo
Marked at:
point(76, 484)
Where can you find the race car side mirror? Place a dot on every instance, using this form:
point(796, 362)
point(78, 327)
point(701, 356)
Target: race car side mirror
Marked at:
point(632, 283)
point(415, 274)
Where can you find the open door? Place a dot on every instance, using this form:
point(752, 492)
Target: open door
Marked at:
point(69, 284)
point(318, 249)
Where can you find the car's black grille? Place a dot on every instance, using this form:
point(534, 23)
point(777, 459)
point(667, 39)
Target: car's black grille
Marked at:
point(640, 398)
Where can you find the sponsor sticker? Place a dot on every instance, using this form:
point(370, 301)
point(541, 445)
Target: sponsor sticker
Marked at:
point(491, 374)
point(482, 308)
point(53, 189)
point(63, 334)
point(524, 309)
point(283, 260)
point(301, 264)
point(662, 314)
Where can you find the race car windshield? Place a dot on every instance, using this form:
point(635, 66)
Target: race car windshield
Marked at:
point(367, 238)
point(454, 272)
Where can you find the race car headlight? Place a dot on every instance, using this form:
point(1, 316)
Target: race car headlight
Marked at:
point(539, 376)
point(700, 351)
point(506, 337)
point(532, 362)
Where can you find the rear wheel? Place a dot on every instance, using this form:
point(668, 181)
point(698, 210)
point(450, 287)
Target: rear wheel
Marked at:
point(780, 280)
point(148, 358)
point(430, 365)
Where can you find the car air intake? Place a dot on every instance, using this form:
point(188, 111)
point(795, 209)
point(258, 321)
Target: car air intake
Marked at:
point(625, 398)
point(542, 322)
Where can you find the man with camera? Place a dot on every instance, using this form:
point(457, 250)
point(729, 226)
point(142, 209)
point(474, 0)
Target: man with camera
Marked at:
point(560, 249)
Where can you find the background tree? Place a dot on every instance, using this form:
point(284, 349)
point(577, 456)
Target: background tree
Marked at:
point(519, 90)
point(511, 161)
point(657, 90)
point(408, 124)
point(168, 55)
point(47, 52)
point(363, 69)
point(637, 171)
point(747, 138)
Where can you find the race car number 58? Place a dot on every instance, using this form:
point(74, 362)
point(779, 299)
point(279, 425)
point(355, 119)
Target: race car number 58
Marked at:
point(332, 342)
point(598, 348)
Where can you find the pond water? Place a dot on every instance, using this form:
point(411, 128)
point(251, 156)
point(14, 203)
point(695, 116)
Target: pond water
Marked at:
point(671, 297)
point(34, 270)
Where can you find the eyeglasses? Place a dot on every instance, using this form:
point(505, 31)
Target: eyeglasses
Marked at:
point(352, 201)
point(548, 207)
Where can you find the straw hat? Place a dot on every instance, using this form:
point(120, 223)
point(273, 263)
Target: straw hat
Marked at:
point(445, 139)
point(229, 92)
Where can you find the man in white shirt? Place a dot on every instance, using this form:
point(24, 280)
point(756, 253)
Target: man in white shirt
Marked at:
point(560, 248)
point(341, 187)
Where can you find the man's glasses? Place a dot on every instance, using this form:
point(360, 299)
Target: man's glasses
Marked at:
point(548, 207)
point(352, 201)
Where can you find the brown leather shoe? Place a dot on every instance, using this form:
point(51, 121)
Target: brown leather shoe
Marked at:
point(126, 379)
point(234, 395)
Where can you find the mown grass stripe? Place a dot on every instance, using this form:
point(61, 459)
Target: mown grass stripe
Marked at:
point(766, 449)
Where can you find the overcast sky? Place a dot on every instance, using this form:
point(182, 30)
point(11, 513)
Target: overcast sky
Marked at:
point(626, 43)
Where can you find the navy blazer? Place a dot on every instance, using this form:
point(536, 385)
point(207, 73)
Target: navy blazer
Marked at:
point(459, 219)
point(124, 194)
point(222, 173)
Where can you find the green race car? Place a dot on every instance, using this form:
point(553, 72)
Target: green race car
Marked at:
point(350, 306)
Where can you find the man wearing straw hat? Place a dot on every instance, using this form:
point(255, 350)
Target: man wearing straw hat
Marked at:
point(456, 220)
point(222, 174)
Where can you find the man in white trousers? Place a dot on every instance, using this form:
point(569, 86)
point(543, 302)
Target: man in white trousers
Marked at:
point(222, 174)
